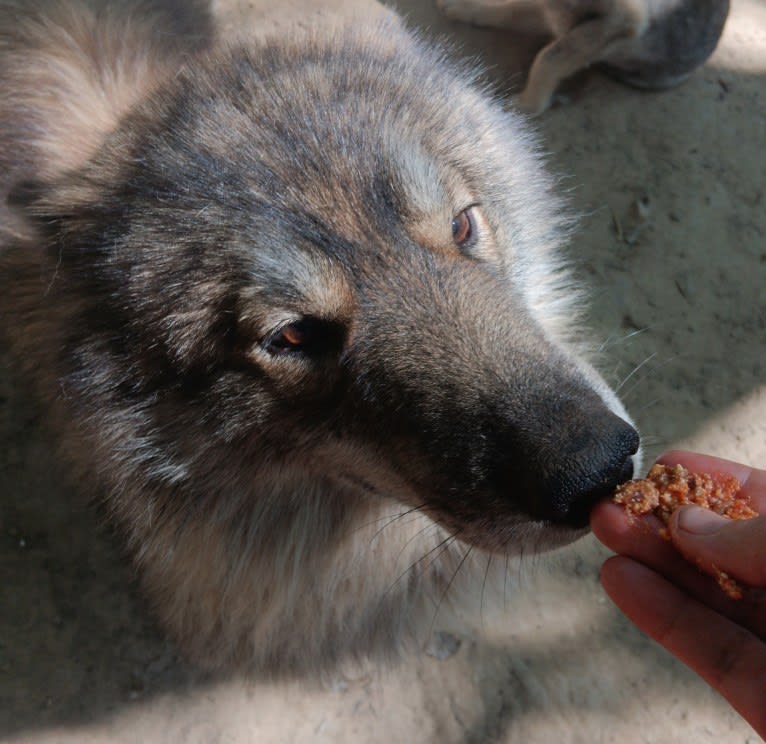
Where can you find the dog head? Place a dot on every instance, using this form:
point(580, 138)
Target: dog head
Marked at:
point(340, 259)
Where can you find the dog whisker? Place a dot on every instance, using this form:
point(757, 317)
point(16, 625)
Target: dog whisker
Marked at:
point(635, 369)
point(651, 370)
point(483, 587)
point(448, 587)
point(646, 406)
point(505, 581)
point(614, 341)
point(422, 530)
point(409, 568)
point(395, 518)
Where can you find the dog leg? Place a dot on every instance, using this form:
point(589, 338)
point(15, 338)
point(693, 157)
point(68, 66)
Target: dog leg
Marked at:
point(580, 47)
point(520, 15)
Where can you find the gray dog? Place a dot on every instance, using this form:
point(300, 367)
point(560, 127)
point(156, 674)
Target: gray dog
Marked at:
point(297, 313)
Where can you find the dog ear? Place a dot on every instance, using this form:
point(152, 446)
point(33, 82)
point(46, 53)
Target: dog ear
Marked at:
point(61, 92)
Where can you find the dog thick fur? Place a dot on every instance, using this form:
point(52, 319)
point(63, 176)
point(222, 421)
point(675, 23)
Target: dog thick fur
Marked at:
point(297, 312)
point(645, 43)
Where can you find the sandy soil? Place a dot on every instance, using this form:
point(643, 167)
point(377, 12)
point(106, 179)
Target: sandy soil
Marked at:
point(679, 305)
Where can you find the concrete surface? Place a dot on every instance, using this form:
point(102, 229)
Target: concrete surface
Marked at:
point(678, 303)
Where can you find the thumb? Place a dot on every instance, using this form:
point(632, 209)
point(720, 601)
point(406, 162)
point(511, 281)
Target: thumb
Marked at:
point(737, 547)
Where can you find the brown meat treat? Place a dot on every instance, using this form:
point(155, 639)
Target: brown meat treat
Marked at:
point(668, 487)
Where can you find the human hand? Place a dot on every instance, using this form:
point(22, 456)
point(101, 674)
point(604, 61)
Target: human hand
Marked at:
point(658, 586)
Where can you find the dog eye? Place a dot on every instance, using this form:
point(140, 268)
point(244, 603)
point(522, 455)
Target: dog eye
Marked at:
point(288, 338)
point(462, 227)
point(307, 336)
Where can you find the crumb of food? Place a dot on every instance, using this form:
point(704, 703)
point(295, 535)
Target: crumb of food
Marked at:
point(668, 487)
point(729, 585)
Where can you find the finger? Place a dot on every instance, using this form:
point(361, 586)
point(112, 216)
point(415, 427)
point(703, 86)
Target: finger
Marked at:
point(715, 542)
point(752, 480)
point(725, 655)
point(639, 539)
point(636, 537)
point(738, 560)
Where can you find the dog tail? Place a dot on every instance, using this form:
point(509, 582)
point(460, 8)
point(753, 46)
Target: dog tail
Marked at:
point(70, 69)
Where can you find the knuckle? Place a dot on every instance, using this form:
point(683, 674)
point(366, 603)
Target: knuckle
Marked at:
point(729, 657)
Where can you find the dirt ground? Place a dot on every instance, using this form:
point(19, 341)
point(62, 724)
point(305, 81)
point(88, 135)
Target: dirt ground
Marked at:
point(679, 305)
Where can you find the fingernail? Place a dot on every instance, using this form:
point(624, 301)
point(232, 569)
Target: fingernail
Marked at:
point(698, 521)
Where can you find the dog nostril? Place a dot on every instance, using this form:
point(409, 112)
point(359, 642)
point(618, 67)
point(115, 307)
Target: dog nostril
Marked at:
point(627, 469)
point(594, 475)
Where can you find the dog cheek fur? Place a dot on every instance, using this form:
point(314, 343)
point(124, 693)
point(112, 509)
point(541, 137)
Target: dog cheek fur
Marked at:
point(242, 594)
point(268, 567)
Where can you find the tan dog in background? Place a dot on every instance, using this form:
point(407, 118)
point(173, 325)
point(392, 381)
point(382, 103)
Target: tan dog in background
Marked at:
point(645, 43)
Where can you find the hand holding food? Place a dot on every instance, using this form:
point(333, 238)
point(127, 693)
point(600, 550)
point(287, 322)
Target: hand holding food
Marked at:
point(655, 580)
point(667, 488)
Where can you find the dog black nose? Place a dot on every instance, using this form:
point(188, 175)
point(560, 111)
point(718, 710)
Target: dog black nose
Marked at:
point(566, 469)
point(592, 473)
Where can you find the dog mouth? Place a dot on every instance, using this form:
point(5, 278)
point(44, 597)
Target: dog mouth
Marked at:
point(509, 533)
point(507, 516)
point(527, 538)
point(502, 532)
point(533, 507)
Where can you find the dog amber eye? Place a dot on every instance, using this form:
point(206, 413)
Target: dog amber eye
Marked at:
point(307, 337)
point(291, 337)
point(462, 227)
